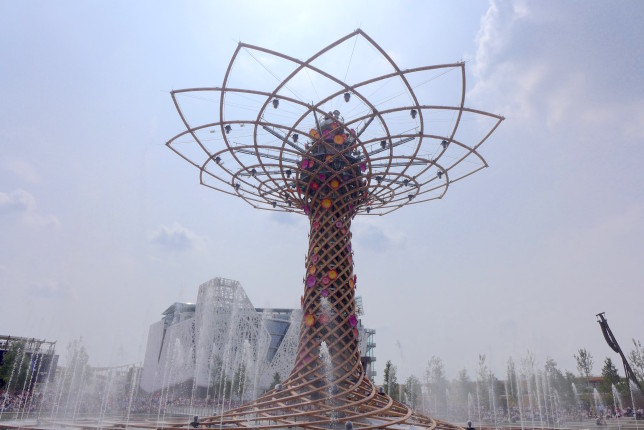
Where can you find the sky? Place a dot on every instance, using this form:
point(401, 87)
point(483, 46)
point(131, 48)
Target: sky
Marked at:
point(102, 227)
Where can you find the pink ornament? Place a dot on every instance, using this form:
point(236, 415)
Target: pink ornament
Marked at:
point(353, 320)
point(324, 293)
point(310, 281)
point(325, 280)
point(338, 224)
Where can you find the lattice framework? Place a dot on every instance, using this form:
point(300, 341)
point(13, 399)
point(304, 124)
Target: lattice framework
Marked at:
point(329, 169)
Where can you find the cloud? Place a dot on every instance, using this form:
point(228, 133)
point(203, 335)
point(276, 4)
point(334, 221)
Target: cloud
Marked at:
point(377, 239)
point(175, 237)
point(555, 65)
point(49, 290)
point(23, 204)
point(18, 201)
point(21, 169)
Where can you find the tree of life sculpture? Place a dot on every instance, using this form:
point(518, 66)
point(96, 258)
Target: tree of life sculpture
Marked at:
point(381, 155)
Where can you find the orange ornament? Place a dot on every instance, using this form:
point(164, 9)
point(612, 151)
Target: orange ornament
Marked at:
point(326, 203)
point(309, 320)
point(314, 134)
point(338, 139)
point(334, 184)
point(332, 274)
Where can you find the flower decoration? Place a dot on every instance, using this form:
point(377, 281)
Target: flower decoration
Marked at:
point(325, 280)
point(310, 281)
point(323, 319)
point(363, 167)
point(338, 224)
point(312, 270)
point(332, 274)
point(314, 134)
point(326, 203)
point(356, 333)
point(315, 225)
point(338, 139)
point(322, 176)
point(309, 320)
point(353, 320)
point(315, 258)
point(351, 283)
point(314, 185)
point(326, 134)
point(324, 293)
point(334, 184)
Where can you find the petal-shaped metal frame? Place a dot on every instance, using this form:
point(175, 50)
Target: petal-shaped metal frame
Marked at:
point(331, 182)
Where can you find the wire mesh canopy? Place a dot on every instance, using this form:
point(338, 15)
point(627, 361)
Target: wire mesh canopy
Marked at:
point(344, 133)
point(259, 136)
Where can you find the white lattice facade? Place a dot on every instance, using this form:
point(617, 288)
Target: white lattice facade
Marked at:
point(194, 345)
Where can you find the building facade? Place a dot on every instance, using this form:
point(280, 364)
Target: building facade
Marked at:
point(223, 346)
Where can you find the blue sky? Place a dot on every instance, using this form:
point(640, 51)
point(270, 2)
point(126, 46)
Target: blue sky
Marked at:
point(102, 226)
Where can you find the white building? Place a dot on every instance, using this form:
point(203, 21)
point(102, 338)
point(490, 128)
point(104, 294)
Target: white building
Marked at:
point(223, 337)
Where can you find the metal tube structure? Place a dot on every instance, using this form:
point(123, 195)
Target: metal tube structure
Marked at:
point(316, 164)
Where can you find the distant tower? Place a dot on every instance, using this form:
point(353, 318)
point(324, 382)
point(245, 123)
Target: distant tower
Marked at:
point(291, 155)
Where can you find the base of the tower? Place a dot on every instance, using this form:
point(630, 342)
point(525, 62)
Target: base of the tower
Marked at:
point(363, 406)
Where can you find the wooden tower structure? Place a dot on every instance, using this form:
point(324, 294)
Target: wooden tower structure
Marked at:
point(293, 155)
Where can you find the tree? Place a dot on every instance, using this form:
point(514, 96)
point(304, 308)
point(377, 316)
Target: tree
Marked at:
point(510, 384)
point(239, 381)
point(584, 364)
point(636, 357)
point(413, 392)
point(276, 380)
point(14, 367)
point(390, 383)
point(559, 382)
point(610, 377)
point(437, 384)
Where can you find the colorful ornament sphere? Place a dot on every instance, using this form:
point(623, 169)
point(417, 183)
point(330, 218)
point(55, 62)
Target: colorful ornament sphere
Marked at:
point(310, 281)
point(353, 320)
point(326, 203)
point(309, 320)
point(332, 274)
point(324, 318)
